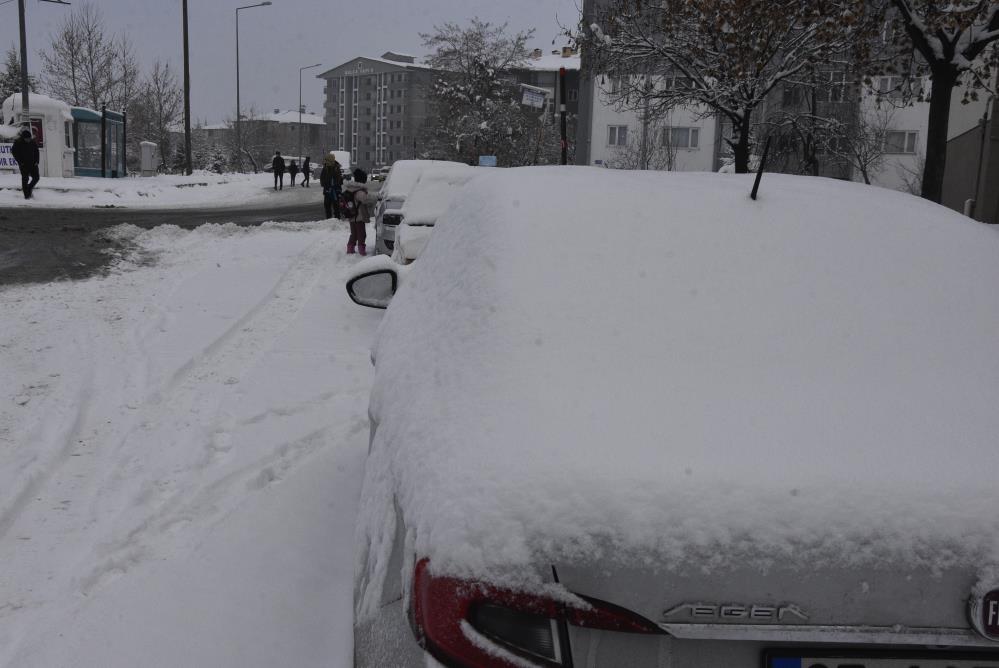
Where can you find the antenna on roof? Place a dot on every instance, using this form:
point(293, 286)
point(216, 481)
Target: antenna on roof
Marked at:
point(759, 170)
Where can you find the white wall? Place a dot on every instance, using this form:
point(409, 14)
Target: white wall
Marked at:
point(915, 118)
point(687, 160)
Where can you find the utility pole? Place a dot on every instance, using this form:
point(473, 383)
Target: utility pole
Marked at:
point(25, 105)
point(561, 112)
point(189, 167)
point(24, 62)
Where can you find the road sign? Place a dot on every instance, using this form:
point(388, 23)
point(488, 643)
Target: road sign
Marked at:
point(487, 161)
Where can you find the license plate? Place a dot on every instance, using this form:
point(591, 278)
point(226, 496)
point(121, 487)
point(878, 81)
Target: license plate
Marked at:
point(810, 658)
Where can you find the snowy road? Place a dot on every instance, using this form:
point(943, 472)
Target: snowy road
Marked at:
point(181, 447)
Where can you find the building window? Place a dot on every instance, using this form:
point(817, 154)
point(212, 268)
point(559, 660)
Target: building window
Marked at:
point(900, 142)
point(617, 135)
point(837, 86)
point(681, 137)
point(677, 83)
point(891, 87)
point(616, 84)
point(792, 95)
point(573, 94)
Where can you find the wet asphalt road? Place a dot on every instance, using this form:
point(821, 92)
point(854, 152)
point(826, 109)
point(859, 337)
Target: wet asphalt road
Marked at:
point(41, 245)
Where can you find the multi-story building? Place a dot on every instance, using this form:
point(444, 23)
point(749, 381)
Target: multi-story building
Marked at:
point(376, 108)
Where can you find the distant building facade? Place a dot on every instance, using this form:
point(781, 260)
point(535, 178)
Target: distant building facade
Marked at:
point(376, 108)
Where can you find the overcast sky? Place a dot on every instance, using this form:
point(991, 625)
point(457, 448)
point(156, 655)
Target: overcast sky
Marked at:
point(275, 41)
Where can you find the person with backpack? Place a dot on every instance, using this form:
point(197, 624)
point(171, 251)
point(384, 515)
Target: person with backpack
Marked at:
point(306, 172)
point(331, 179)
point(293, 171)
point(25, 151)
point(278, 165)
point(360, 211)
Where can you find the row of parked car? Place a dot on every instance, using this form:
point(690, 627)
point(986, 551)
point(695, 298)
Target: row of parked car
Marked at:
point(641, 419)
point(414, 194)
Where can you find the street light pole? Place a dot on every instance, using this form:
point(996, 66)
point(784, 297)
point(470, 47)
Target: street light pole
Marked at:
point(300, 70)
point(24, 62)
point(188, 158)
point(239, 134)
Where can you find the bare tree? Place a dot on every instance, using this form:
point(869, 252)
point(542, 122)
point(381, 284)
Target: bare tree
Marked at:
point(912, 176)
point(863, 141)
point(951, 37)
point(156, 109)
point(259, 140)
point(655, 149)
point(87, 66)
point(723, 56)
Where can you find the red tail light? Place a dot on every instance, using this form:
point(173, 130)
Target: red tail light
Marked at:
point(467, 624)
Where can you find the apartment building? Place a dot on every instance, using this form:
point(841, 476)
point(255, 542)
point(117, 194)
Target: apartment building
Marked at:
point(375, 108)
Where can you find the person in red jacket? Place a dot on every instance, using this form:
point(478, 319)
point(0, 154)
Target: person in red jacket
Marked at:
point(25, 151)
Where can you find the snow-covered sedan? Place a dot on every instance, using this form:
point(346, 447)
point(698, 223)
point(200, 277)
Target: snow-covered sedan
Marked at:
point(639, 419)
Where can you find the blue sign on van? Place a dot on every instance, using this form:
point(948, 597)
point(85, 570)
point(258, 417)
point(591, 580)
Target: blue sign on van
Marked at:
point(487, 161)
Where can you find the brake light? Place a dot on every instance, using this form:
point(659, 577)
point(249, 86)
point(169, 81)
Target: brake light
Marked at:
point(464, 623)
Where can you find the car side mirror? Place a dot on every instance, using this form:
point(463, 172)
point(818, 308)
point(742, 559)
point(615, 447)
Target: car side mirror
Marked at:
point(374, 289)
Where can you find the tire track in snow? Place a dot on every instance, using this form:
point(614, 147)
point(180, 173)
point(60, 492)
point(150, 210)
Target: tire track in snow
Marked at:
point(145, 496)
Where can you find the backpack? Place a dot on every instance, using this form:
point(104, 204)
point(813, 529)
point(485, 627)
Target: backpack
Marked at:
point(347, 204)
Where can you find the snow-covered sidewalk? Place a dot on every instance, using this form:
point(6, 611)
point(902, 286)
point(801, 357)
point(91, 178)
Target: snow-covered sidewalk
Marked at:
point(181, 449)
point(203, 189)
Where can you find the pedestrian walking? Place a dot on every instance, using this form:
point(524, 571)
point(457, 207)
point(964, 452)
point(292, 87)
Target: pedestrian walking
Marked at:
point(331, 179)
point(293, 171)
point(278, 165)
point(25, 151)
point(357, 192)
point(306, 172)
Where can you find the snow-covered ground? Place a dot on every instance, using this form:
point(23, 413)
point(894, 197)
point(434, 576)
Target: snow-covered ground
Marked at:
point(181, 450)
point(203, 189)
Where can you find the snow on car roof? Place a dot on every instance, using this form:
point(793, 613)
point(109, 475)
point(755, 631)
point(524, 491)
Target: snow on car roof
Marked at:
point(657, 362)
point(433, 193)
point(405, 173)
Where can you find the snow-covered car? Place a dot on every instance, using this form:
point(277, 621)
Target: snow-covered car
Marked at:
point(400, 181)
point(727, 433)
point(429, 199)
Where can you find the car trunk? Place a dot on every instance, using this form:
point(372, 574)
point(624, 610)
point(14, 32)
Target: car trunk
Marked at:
point(730, 617)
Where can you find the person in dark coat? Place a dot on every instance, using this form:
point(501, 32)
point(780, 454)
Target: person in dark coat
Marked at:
point(293, 171)
point(25, 151)
point(331, 179)
point(278, 164)
point(306, 172)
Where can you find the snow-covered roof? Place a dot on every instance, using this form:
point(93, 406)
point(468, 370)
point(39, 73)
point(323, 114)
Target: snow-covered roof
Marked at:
point(385, 61)
point(552, 63)
point(656, 364)
point(36, 102)
point(308, 118)
point(405, 174)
